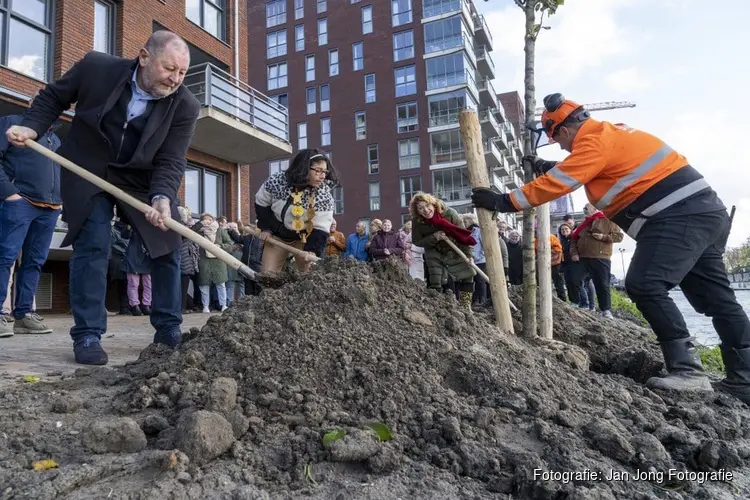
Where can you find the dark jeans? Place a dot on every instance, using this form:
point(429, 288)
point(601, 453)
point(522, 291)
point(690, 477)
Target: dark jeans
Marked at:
point(687, 251)
point(599, 270)
point(480, 286)
point(88, 278)
point(28, 229)
point(559, 282)
point(184, 284)
point(573, 279)
point(588, 294)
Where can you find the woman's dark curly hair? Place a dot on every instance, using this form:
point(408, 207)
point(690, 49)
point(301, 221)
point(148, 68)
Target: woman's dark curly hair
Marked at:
point(299, 168)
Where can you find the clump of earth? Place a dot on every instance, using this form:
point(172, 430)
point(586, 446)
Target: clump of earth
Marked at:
point(355, 382)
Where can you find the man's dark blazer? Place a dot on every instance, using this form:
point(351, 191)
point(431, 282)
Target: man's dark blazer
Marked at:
point(95, 83)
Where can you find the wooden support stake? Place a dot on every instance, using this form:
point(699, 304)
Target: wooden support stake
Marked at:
point(544, 271)
point(471, 136)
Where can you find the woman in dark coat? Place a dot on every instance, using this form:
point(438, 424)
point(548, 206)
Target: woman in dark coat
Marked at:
point(386, 242)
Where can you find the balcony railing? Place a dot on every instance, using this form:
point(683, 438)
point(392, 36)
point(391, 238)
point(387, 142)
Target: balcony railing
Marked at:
point(219, 90)
point(488, 114)
point(449, 42)
point(450, 156)
point(482, 53)
point(451, 80)
point(486, 85)
point(480, 22)
point(432, 8)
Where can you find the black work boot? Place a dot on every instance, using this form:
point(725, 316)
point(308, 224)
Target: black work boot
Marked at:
point(737, 381)
point(684, 367)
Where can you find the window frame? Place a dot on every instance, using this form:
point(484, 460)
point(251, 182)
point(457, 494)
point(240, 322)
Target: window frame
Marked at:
point(221, 6)
point(268, 75)
point(373, 201)
point(323, 21)
point(297, 39)
point(284, 13)
point(323, 134)
point(299, 6)
point(410, 157)
point(300, 126)
point(408, 105)
point(327, 101)
point(318, 8)
point(367, 8)
point(309, 57)
point(361, 59)
point(402, 192)
point(406, 83)
point(397, 50)
point(314, 102)
point(111, 25)
point(280, 162)
point(221, 195)
point(275, 34)
point(338, 199)
point(47, 29)
point(331, 65)
point(373, 90)
point(360, 132)
point(394, 14)
point(373, 168)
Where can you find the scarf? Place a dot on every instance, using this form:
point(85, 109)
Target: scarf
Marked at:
point(591, 218)
point(461, 235)
point(209, 231)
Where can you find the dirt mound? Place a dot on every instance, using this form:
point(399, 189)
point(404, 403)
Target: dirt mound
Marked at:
point(356, 382)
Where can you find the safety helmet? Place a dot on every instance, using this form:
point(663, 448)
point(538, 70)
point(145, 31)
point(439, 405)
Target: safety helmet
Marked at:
point(557, 109)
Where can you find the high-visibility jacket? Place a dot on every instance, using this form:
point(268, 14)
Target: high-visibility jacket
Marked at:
point(621, 168)
point(555, 248)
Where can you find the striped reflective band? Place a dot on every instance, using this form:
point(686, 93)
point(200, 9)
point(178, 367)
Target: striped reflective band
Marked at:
point(564, 178)
point(628, 180)
point(666, 202)
point(520, 198)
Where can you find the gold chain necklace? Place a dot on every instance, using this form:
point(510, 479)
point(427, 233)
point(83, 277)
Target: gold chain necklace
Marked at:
point(298, 210)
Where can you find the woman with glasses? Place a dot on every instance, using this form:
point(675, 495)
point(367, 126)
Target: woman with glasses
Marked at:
point(296, 207)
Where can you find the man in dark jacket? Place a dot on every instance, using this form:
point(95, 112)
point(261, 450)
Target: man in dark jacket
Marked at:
point(30, 204)
point(133, 125)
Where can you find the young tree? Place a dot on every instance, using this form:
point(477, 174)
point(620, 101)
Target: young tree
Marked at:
point(535, 10)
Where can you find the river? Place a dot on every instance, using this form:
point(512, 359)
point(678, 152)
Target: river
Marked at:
point(700, 326)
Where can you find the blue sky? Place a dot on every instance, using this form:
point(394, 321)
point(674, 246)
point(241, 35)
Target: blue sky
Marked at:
point(682, 62)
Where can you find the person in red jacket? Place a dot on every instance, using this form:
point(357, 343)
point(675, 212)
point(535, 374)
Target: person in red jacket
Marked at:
point(679, 223)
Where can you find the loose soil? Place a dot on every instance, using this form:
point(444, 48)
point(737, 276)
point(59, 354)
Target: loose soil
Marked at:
point(277, 398)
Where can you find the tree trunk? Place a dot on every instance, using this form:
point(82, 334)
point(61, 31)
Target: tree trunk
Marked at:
point(471, 136)
point(529, 260)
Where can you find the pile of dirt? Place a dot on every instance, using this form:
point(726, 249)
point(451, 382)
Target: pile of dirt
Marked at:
point(354, 382)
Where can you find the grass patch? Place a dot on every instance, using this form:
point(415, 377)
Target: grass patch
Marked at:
point(621, 302)
point(711, 359)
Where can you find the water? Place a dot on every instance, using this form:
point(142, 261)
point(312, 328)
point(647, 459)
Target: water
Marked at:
point(700, 326)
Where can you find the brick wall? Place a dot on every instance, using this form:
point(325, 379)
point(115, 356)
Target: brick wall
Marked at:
point(514, 109)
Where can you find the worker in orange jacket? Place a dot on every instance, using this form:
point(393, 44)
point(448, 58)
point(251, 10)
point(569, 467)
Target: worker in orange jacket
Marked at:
point(677, 219)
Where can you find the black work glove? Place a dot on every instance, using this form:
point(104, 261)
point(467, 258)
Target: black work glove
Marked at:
point(538, 165)
point(492, 200)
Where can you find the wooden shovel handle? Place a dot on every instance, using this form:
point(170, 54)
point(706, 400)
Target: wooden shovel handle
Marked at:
point(292, 250)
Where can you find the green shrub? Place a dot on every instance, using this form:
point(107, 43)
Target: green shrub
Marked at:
point(711, 359)
point(623, 304)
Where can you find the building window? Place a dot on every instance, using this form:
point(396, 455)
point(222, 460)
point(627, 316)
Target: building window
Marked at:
point(276, 44)
point(299, 9)
point(338, 200)
point(367, 19)
point(322, 6)
point(322, 32)
point(312, 103)
point(370, 88)
point(277, 77)
point(409, 187)
point(408, 154)
point(448, 71)
point(452, 184)
point(325, 131)
point(446, 147)
point(276, 166)
point(403, 45)
point(360, 125)
point(310, 68)
point(406, 80)
point(26, 37)
point(373, 159)
point(401, 12)
point(444, 108)
point(299, 37)
point(282, 99)
point(104, 26)
point(444, 34)
point(406, 117)
point(275, 13)
point(208, 14)
point(405, 218)
point(333, 62)
point(325, 98)
point(374, 192)
point(302, 135)
point(205, 191)
point(358, 56)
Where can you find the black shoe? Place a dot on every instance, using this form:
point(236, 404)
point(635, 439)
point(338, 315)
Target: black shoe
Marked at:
point(124, 311)
point(171, 339)
point(737, 364)
point(684, 366)
point(135, 311)
point(89, 351)
point(146, 310)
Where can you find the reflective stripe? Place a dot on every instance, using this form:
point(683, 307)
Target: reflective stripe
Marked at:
point(626, 181)
point(564, 178)
point(520, 198)
point(666, 202)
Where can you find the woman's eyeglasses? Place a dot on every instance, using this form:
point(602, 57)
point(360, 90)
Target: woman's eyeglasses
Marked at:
point(319, 170)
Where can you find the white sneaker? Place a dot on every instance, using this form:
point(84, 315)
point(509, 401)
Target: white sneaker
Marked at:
point(6, 326)
point(223, 308)
point(206, 310)
point(607, 314)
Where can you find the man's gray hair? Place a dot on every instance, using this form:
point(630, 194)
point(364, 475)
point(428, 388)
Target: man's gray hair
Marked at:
point(159, 40)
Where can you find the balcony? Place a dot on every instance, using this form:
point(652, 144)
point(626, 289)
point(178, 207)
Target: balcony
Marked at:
point(500, 114)
point(509, 131)
point(510, 155)
point(452, 185)
point(498, 183)
point(494, 158)
point(445, 8)
point(513, 181)
point(482, 31)
point(438, 46)
point(447, 157)
point(487, 94)
point(236, 122)
point(484, 62)
point(438, 83)
point(490, 127)
point(518, 146)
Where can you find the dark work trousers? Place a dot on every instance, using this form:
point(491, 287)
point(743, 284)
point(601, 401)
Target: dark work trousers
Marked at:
point(558, 281)
point(572, 272)
point(599, 269)
point(185, 284)
point(480, 286)
point(687, 251)
point(88, 278)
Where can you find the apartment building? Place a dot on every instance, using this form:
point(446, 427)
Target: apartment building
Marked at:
point(237, 126)
point(379, 85)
